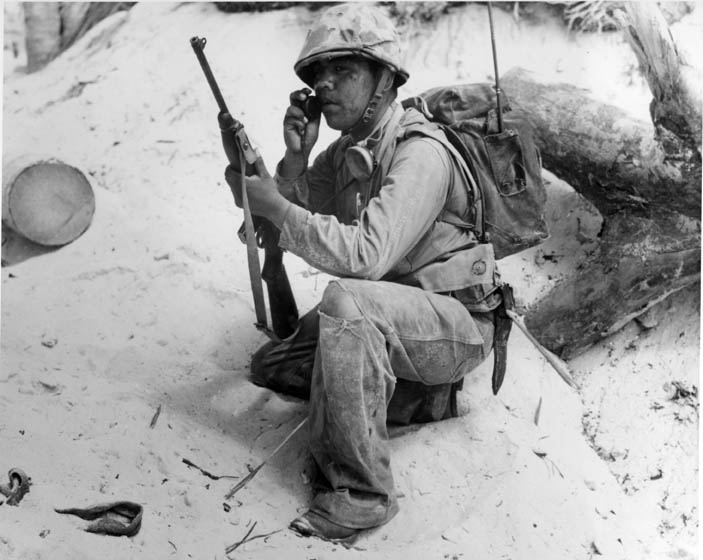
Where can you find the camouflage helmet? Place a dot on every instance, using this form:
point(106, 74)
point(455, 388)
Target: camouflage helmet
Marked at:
point(351, 29)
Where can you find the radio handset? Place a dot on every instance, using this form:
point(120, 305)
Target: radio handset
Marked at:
point(312, 108)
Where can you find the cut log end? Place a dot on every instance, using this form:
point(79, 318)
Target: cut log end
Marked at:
point(48, 202)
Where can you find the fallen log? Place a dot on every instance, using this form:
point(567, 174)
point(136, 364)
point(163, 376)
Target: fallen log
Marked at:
point(614, 160)
point(640, 260)
point(646, 184)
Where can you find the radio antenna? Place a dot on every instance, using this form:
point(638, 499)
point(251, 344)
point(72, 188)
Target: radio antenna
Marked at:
point(495, 68)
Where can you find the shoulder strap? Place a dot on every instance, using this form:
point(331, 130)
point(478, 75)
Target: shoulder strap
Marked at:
point(453, 144)
point(389, 140)
point(466, 160)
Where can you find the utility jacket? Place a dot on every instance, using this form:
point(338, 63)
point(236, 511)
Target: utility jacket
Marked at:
point(410, 223)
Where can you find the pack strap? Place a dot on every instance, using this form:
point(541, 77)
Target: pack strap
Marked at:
point(466, 159)
point(456, 148)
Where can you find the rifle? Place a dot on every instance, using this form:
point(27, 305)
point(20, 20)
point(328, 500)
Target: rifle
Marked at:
point(256, 231)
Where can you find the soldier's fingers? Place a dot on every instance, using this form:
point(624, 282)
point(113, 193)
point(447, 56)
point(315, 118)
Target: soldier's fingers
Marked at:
point(260, 166)
point(295, 120)
point(299, 95)
point(232, 176)
point(295, 112)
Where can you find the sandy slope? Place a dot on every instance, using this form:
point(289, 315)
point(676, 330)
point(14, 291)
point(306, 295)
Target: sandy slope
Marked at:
point(151, 307)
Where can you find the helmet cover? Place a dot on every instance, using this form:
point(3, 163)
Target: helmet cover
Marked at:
point(354, 29)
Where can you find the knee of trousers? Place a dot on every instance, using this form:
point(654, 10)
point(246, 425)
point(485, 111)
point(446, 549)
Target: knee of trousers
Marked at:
point(338, 300)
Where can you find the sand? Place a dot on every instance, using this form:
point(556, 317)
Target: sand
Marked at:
point(150, 310)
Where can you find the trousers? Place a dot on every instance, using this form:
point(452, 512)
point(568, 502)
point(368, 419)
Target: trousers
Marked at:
point(372, 332)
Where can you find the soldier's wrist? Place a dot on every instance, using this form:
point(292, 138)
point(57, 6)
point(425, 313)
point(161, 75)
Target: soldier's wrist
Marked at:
point(292, 165)
point(277, 211)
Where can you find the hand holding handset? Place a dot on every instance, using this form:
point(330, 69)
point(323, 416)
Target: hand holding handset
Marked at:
point(311, 106)
point(312, 110)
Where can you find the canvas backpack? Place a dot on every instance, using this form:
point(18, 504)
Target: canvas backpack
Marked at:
point(507, 191)
point(506, 165)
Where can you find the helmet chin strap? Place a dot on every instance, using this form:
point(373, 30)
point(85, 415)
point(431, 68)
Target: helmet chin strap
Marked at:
point(360, 157)
point(377, 101)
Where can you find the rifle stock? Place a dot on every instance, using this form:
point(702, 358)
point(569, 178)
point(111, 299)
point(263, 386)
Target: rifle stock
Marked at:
point(284, 312)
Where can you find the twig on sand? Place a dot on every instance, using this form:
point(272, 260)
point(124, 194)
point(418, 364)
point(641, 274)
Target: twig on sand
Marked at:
point(558, 366)
point(262, 536)
point(207, 473)
point(155, 418)
point(537, 412)
point(551, 465)
point(231, 548)
point(253, 472)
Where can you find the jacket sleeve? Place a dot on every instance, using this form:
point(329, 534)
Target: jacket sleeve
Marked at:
point(410, 200)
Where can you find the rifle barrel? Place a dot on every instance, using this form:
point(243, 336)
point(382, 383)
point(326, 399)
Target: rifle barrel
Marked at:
point(198, 45)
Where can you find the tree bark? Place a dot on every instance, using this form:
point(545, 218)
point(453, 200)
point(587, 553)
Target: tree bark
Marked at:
point(52, 27)
point(650, 201)
point(43, 33)
point(674, 82)
point(614, 160)
point(73, 15)
point(79, 17)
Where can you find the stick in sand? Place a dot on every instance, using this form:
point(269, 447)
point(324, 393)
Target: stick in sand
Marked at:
point(252, 474)
point(558, 367)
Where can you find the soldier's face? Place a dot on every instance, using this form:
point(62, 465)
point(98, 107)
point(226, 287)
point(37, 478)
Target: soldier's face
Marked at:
point(345, 86)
